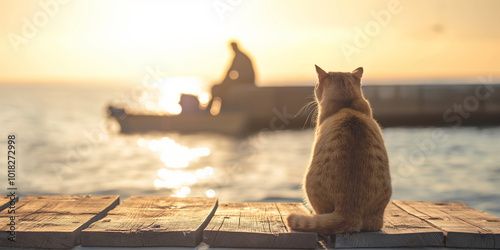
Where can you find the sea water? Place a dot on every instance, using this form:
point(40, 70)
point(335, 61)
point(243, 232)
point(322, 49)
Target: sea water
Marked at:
point(66, 145)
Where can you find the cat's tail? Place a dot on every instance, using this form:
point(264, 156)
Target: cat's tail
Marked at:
point(330, 223)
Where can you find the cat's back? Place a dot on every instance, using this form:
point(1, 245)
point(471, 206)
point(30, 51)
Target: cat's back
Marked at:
point(350, 156)
point(350, 127)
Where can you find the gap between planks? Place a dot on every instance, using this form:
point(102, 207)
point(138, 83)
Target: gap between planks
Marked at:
point(400, 230)
point(257, 225)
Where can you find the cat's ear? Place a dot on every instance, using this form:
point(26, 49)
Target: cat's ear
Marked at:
point(321, 73)
point(358, 72)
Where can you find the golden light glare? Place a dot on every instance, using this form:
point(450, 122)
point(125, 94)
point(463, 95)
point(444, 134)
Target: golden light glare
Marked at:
point(210, 193)
point(165, 99)
point(174, 178)
point(234, 74)
point(172, 154)
point(175, 157)
point(147, 26)
point(216, 105)
point(204, 173)
point(204, 98)
point(112, 42)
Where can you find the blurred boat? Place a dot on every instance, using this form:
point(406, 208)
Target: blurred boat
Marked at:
point(232, 123)
point(249, 109)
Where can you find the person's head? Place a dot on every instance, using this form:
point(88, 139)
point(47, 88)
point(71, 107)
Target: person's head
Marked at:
point(234, 45)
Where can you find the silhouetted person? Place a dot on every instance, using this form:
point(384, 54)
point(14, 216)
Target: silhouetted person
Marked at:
point(240, 73)
point(190, 104)
point(241, 70)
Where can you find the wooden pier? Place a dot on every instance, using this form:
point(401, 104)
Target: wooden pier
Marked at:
point(68, 221)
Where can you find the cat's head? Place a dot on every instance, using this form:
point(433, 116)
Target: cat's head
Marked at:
point(338, 86)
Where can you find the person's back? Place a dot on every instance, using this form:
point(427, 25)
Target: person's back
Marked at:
point(241, 70)
point(240, 73)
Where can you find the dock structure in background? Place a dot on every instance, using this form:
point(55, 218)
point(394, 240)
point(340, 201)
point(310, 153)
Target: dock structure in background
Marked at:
point(152, 221)
point(392, 105)
point(44, 221)
point(59, 222)
point(257, 225)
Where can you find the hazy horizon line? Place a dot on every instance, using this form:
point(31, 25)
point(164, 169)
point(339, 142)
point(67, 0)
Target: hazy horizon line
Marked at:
point(297, 82)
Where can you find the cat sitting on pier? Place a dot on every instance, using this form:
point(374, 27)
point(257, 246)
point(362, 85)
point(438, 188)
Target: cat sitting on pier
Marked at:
point(348, 182)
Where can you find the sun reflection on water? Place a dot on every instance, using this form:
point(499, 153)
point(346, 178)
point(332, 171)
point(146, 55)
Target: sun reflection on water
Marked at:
point(173, 154)
point(210, 193)
point(176, 157)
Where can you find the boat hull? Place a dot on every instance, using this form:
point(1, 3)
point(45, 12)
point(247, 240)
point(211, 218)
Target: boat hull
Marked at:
point(230, 123)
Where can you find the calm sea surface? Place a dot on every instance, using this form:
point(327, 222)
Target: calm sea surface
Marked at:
point(66, 145)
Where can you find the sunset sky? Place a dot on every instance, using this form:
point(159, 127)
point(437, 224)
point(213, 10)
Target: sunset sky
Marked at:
point(116, 41)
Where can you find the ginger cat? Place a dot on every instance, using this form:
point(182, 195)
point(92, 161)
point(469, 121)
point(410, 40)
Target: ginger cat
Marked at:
point(348, 182)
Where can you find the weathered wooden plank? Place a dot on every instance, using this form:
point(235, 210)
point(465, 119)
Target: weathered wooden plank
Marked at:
point(53, 221)
point(463, 225)
point(152, 221)
point(257, 225)
point(400, 230)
